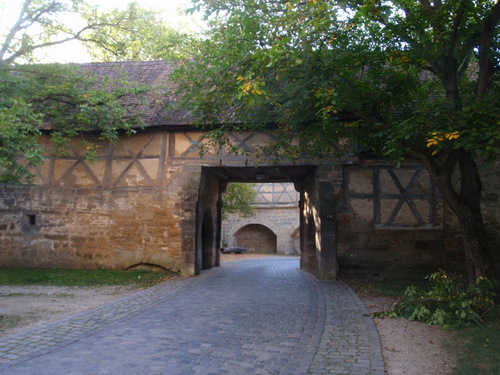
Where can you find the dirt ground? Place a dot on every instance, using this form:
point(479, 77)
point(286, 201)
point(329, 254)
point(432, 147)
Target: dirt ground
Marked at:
point(409, 348)
point(24, 307)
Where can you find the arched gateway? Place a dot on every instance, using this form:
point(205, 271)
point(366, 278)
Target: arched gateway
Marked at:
point(151, 199)
point(316, 206)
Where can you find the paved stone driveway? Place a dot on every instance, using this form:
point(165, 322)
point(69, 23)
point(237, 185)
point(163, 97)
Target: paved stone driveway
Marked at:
point(251, 317)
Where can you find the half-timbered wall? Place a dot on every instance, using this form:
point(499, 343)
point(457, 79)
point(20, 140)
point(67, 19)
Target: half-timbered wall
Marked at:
point(114, 212)
point(144, 201)
point(391, 223)
point(133, 205)
point(150, 199)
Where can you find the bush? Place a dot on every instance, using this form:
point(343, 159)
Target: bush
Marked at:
point(450, 301)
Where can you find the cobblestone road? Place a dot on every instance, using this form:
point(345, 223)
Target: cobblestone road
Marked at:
point(251, 317)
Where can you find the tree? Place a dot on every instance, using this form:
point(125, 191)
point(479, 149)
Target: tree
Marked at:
point(239, 199)
point(44, 23)
point(146, 37)
point(61, 100)
point(388, 78)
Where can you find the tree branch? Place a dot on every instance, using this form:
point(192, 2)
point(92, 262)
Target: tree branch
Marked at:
point(486, 68)
point(26, 19)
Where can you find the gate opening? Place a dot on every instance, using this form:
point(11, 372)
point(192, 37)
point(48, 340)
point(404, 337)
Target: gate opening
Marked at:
point(263, 218)
point(314, 230)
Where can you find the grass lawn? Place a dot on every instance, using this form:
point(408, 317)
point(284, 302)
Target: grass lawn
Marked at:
point(382, 288)
point(479, 347)
point(67, 277)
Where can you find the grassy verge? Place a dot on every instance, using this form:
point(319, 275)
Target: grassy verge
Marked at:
point(11, 321)
point(478, 347)
point(381, 288)
point(67, 277)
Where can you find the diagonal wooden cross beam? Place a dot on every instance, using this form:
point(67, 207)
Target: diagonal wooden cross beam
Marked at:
point(405, 197)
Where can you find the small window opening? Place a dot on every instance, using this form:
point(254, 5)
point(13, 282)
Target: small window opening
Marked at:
point(31, 219)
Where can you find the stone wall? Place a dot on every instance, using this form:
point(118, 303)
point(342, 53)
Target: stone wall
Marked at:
point(149, 199)
point(391, 223)
point(256, 238)
point(283, 222)
point(274, 228)
point(89, 228)
point(135, 204)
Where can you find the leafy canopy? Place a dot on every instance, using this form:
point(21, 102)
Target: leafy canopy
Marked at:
point(379, 78)
point(66, 101)
point(143, 36)
point(391, 78)
point(447, 301)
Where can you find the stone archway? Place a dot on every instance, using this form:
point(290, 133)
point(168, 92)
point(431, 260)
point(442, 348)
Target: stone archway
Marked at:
point(257, 238)
point(317, 211)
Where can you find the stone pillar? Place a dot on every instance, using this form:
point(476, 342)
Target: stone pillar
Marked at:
point(318, 226)
point(218, 240)
point(327, 252)
point(302, 221)
point(188, 196)
point(308, 257)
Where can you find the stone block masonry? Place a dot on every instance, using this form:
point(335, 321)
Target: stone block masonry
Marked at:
point(128, 207)
point(150, 199)
point(274, 228)
point(271, 230)
point(90, 228)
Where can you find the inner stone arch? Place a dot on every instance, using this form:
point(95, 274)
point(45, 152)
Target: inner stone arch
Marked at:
point(256, 238)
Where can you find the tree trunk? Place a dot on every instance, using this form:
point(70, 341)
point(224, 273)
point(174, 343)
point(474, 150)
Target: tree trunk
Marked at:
point(466, 204)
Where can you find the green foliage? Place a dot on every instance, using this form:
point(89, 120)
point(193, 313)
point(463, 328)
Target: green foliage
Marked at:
point(391, 79)
point(142, 36)
point(239, 199)
point(18, 138)
point(48, 23)
point(476, 346)
point(448, 302)
point(131, 34)
point(67, 277)
point(65, 102)
point(390, 74)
